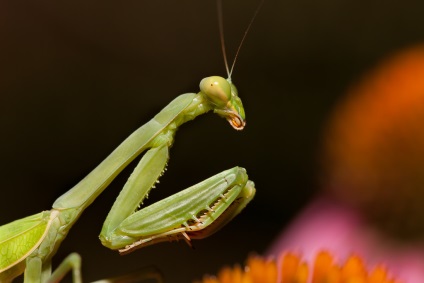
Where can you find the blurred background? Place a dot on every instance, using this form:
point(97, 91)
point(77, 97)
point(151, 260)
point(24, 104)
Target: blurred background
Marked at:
point(76, 78)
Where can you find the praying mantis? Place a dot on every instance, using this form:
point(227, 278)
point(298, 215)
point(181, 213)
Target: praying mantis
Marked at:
point(27, 245)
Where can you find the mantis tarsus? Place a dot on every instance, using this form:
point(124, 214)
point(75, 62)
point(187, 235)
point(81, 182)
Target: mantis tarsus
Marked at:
point(28, 245)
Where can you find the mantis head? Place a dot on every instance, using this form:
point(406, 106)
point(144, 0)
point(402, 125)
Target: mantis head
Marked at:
point(223, 97)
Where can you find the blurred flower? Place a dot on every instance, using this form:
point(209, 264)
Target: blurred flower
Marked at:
point(290, 268)
point(373, 156)
point(373, 174)
point(330, 225)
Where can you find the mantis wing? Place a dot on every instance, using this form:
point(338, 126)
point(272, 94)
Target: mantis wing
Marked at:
point(20, 238)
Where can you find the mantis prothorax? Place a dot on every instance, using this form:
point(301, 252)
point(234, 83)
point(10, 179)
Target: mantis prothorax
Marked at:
point(27, 245)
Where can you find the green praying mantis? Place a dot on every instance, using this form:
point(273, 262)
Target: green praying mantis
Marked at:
point(27, 245)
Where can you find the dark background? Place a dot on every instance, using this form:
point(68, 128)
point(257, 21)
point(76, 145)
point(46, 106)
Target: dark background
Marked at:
point(77, 77)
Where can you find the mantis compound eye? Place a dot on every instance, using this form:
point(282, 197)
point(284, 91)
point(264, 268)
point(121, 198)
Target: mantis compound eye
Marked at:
point(217, 90)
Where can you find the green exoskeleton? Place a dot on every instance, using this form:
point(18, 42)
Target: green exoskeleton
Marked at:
point(28, 245)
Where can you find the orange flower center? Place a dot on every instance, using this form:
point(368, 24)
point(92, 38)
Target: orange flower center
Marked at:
point(292, 269)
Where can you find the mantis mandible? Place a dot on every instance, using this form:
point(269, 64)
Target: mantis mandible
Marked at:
point(27, 245)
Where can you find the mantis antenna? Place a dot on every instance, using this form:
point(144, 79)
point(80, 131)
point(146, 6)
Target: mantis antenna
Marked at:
point(221, 34)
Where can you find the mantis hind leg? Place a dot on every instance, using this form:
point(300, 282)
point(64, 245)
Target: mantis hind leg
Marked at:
point(72, 261)
point(39, 272)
